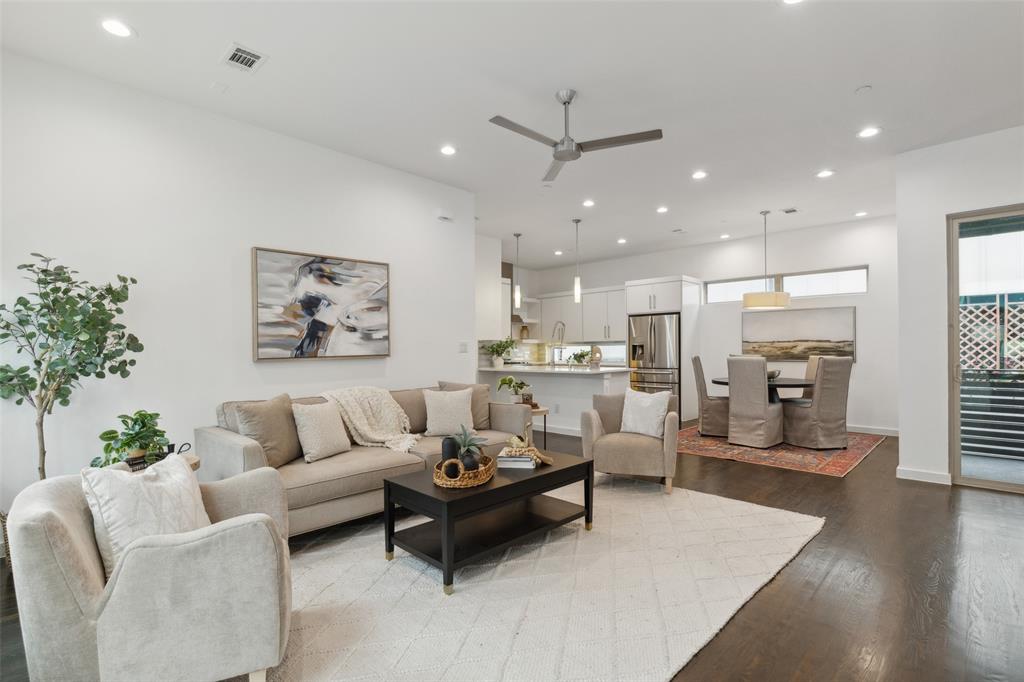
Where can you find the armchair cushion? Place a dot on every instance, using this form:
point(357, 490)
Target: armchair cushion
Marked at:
point(629, 453)
point(644, 413)
point(125, 506)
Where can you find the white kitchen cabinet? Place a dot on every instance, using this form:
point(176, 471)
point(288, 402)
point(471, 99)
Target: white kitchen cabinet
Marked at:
point(506, 308)
point(654, 296)
point(564, 309)
point(604, 316)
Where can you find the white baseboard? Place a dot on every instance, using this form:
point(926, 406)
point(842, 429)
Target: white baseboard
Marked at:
point(877, 430)
point(940, 477)
point(538, 426)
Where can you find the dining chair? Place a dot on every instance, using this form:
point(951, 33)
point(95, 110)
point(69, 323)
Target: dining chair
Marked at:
point(820, 422)
point(713, 414)
point(810, 372)
point(754, 421)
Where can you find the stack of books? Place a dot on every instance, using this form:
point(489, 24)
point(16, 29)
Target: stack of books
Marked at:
point(516, 462)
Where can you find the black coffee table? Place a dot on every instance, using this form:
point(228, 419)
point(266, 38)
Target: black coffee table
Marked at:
point(472, 522)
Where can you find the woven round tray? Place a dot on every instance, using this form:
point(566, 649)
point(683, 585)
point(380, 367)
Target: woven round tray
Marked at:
point(466, 479)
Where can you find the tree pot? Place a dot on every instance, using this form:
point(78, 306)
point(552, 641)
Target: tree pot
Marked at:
point(497, 361)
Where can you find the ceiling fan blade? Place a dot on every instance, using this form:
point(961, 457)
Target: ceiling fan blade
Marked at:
point(619, 140)
point(553, 170)
point(523, 130)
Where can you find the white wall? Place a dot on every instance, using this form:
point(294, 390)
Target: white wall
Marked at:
point(488, 287)
point(871, 242)
point(976, 173)
point(112, 180)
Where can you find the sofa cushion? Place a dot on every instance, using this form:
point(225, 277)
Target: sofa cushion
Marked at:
point(271, 424)
point(227, 416)
point(429, 447)
point(411, 400)
point(321, 430)
point(481, 405)
point(448, 412)
point(356, 471)
point(629, 453)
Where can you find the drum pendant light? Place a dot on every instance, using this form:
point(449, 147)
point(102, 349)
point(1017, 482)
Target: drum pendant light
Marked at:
point(765, 300)
point(577, 293)
point(517, 294)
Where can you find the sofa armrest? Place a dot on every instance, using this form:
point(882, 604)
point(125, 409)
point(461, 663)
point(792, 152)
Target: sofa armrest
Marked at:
point(514, 418)
point(671, 443)
point(207, 604)
point(591, 429)
point(225, 453)
point(259, 491)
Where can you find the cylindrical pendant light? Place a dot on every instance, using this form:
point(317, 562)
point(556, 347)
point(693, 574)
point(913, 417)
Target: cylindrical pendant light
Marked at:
point(517, 294)
point(765, 300)
point(577, 293)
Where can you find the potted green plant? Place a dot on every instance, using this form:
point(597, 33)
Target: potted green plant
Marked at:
point(497, 351)
point(469, 450)
point(580, 357)
point(141, 436)
point(514, 385)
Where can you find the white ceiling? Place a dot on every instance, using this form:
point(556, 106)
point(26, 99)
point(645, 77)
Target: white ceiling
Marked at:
point(760, 94)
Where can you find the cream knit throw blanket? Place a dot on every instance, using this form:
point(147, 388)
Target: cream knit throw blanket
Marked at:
point(373, 417)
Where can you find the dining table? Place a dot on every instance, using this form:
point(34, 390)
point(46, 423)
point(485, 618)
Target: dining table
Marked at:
point(774, 385)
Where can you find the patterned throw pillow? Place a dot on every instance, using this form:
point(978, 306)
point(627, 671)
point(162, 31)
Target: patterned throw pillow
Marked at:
point(163, 499)
point(321, 430)
point(448, 411)
point(645, 412)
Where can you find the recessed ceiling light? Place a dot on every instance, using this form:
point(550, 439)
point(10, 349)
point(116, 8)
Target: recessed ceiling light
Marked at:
point(723, 236)
point(826, 173)
point(860, 214)
point(117, 27)
point(588, 202)
point(678, 230)
point(663, 209)
point(791, 2)
point(448, 150)
point(869, 131)
point(558, 253)
point(621, 240)
point(699, 175)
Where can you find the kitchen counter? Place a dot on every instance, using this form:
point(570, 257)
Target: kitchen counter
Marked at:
point(560, 370)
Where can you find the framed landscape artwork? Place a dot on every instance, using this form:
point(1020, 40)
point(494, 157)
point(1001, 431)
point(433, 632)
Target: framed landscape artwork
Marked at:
point(311, 306)
point(792, 335)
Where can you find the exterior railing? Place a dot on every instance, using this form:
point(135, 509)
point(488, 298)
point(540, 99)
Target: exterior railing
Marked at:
point(992, 413)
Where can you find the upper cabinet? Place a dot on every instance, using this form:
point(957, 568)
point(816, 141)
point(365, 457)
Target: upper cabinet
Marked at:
point(663, 295)
point(604, 316)
point(555, 309)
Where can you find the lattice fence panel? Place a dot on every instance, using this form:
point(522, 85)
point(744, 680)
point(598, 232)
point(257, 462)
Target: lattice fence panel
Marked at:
point(1013, 336)
point(979, 335)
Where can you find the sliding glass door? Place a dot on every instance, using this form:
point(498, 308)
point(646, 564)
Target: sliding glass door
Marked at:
point(986, 264)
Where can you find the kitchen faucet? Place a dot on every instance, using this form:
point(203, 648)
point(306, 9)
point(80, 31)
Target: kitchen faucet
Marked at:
point(557, 334)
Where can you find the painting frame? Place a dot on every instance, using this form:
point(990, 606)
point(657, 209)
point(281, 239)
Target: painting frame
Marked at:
point(759, 346)
point(255, 252)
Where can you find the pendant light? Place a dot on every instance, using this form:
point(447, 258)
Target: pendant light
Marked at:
point(517, 294)
point(765, 300)
point(577, 294)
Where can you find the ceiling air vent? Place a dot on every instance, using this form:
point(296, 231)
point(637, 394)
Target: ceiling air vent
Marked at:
point(244, 59)
point(789, 210)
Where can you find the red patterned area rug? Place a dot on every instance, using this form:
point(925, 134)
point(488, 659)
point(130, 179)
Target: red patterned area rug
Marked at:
point(827, 462)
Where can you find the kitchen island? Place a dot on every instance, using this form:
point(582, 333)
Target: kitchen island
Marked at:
point(566, 391)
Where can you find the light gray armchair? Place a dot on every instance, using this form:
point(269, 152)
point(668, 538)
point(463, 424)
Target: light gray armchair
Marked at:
point(754, 421)
point(634, 454)
point(208, 604)
point(820, 422)
point(713, 417)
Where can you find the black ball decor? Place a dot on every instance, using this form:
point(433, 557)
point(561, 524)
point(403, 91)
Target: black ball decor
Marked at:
point(470, 461)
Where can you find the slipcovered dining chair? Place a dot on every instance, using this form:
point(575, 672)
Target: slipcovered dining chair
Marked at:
point(633, 454)
point(713, 411)
point(208, 604)
point(810, 372)
point(820, 422)
point(754, 421)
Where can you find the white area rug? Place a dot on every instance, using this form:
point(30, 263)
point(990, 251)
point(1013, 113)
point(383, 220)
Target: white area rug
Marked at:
point(633, 599)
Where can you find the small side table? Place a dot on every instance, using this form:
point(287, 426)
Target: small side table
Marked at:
point(543, 412)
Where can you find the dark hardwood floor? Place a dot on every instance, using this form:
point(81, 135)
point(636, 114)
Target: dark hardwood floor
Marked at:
point(907, 581)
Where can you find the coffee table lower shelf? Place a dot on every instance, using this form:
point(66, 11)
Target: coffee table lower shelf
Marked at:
point(489, 532)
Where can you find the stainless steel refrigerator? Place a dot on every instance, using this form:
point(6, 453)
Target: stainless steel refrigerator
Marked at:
point(654, 353)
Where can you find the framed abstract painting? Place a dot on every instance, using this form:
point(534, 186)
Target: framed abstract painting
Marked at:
point(794, 334)
point(312, 306)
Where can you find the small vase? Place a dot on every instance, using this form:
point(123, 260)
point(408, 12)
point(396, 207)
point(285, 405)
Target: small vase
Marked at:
point(135, 454)
point(497, 361)
point(449, 448)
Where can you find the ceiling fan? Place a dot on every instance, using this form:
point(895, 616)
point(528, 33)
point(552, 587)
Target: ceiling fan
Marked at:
point(568, 149)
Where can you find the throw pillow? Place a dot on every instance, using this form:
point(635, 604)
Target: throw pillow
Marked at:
point(645, 412)
point(321, 430)
point(165, 498)
point(271, 424)
point(448, 411)
point(481, 404)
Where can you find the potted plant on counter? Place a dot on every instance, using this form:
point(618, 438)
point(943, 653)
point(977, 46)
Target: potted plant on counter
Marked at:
point(497, 351)
point(140, 437)
point(514, 385)
point(580, 357)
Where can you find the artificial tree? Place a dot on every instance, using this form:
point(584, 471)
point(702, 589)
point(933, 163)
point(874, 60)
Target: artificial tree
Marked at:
point(66, 329)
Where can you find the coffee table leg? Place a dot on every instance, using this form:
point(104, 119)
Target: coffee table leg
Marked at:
point(588, 496)
point(448, 551)
point(389, 523)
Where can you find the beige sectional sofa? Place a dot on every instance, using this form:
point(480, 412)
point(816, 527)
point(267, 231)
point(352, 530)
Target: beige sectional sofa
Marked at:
point(350, 485)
